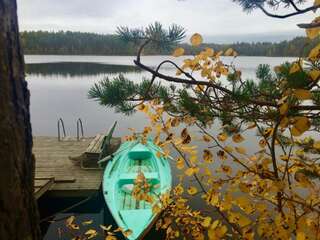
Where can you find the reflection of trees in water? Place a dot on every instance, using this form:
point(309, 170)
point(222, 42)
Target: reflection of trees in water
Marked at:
point(77, 68)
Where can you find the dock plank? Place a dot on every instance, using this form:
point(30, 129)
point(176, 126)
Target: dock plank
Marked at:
point(52, 161)
point(42, 185)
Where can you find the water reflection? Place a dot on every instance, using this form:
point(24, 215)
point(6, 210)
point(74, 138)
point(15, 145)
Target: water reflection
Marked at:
point(73, 69)
point(93, 208)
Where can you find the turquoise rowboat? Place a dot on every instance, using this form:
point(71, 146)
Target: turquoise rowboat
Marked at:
point(131, 159)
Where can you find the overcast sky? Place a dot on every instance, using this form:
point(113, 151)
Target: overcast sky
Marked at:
point(217, 20)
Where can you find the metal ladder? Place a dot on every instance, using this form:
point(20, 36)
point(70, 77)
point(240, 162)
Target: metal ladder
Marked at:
point(79, 127)
point(60, 126)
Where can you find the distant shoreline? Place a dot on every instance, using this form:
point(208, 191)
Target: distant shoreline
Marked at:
point(153, 55)
point(77, 43)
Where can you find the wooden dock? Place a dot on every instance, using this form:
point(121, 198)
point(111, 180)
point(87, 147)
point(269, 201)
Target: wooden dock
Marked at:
point(57, 174)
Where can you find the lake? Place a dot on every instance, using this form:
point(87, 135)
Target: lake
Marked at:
point(59, 89)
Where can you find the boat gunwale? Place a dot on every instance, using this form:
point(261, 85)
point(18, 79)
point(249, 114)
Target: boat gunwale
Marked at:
point(114, 209)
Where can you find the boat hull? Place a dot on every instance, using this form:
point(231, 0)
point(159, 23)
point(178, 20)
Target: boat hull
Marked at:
point(130, 161)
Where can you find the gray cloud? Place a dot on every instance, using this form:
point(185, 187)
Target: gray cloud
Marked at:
point(209, 17)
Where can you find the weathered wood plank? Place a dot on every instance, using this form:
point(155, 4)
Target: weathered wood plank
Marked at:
point(42, 185)
point(52, 160)
point(97, 147)
point(93, 143)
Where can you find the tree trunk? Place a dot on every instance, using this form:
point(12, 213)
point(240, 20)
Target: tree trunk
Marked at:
point(18, 209)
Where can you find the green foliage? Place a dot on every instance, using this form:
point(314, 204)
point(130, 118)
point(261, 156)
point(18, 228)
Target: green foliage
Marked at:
point(121, 93)
point(299, 79)
point(161, 38)
point(114, 93)
point(43, 42)
point(267, 82)
point(249, 5)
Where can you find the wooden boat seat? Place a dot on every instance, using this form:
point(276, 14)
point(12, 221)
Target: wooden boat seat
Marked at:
point(132, 176)
point(139, 152)
point(133, 215)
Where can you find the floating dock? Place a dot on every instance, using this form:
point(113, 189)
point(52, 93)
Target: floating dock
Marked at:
point(59, 169)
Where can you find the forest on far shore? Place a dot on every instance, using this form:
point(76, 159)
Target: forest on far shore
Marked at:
point(79, 43)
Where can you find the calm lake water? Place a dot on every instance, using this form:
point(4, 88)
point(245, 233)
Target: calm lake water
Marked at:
point(59, 86)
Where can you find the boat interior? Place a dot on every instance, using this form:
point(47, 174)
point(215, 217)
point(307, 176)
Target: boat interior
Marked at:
point(136, 163)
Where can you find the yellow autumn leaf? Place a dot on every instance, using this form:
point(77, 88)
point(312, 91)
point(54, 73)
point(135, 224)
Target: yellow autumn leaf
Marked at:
point(222, 155)
point(180, 163)
point(185, 136)
point(224, 71)
point(209, 51)
point(314, 53)
point(189, 171)
point(110, 237)
point(244, 203)
point(159, 154)
point(294, 68)
point(192, 190)
point(295, 132)
point(301, 236)
point(316, 145)
point(206, 222)
point(302, 94)
point(238, 218)
point(261, 207)
point(222, 137)
point(186, 140)
point(241, 150)
point(301, 124)
point(156, 209)
point(74, 226)
point(199, 88)
point(229, 52)
point(302, 179)
point(283, 109)
point(251, 125)
point(207, 156)
point(215, 224)
point(268, 132)
point(262, 143)
point(127, 233)
point(70, 220)
point(314, 74)
point(284, 122)
point(284, 157)
point(312, 33)
point(217, 233)
point(141, 107)
point(179, 189)
point(91, 233)
point(228, 149)
point(244, 187)
point(235, 54)
point(277, 69)
point(87, 222)
point(178, 52)
point(206, 138)
point(226, 169)
point(196, 39)
point(106, 228)
point(237, 138)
